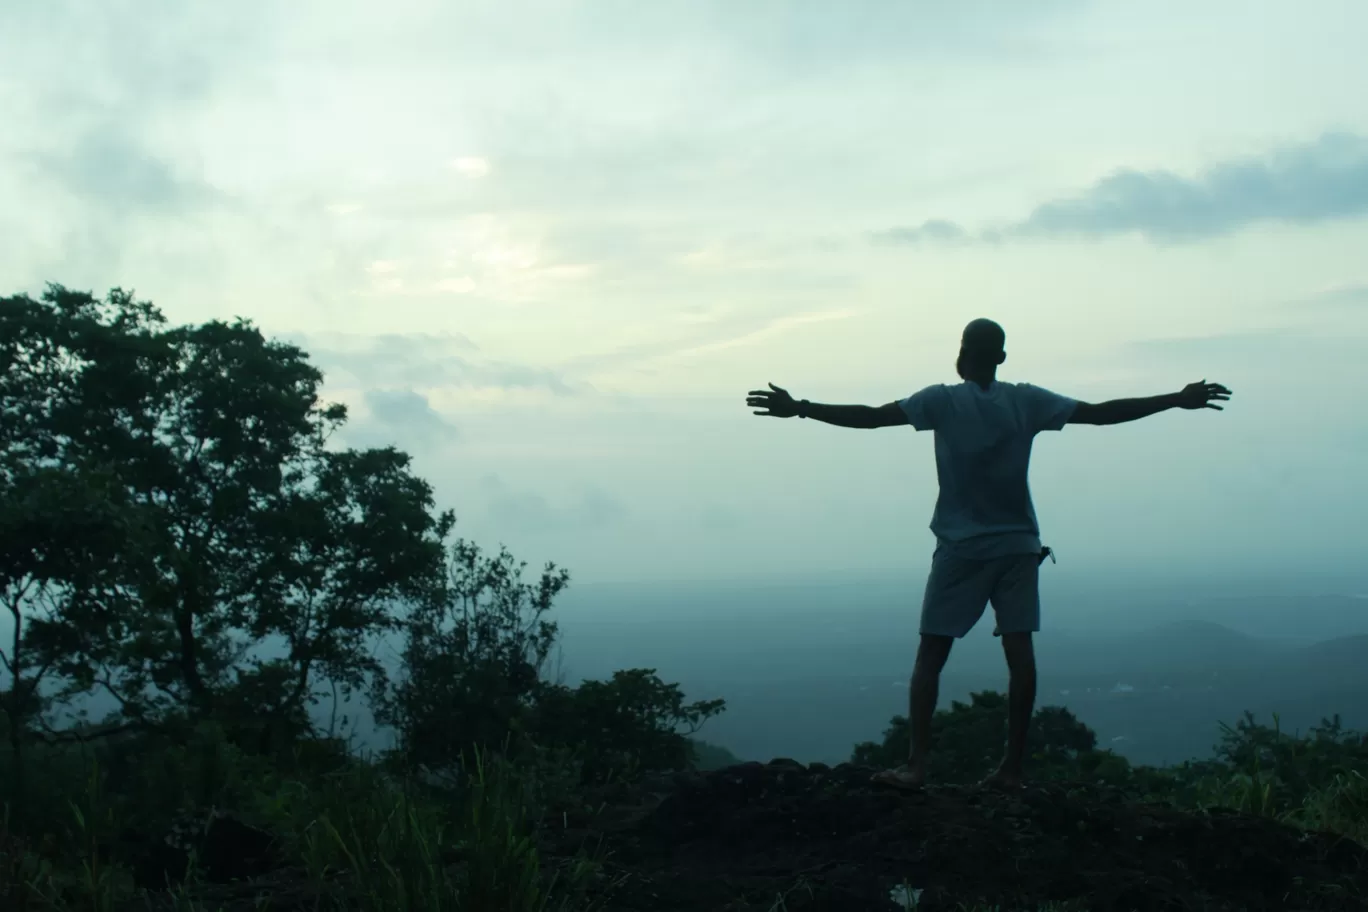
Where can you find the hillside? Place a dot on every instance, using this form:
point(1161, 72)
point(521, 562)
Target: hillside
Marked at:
point(824, 838)
point(782, 836)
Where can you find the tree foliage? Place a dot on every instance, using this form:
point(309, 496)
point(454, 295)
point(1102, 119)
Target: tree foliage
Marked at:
point(969, 738)
point(181, 535)
point(474, 678)
point(248, 532)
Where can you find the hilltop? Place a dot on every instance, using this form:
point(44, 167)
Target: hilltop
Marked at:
point(783, 837)
point(824, 838)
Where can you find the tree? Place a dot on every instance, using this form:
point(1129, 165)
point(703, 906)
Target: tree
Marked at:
point(631, 722)
point(255, 533)
point(472, 659)
point(473, 679)
point(347, 544)
point(64, 524)
point(969, 739)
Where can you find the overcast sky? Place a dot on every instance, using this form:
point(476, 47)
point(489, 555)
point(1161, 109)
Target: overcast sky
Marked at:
point(548, 246)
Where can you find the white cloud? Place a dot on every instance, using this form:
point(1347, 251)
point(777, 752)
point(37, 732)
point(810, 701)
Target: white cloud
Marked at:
point(471, 166)
point(459, 285)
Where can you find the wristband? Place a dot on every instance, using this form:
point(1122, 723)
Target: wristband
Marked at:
point(803, 408)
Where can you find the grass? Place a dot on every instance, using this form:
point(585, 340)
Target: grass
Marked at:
point(363, 840)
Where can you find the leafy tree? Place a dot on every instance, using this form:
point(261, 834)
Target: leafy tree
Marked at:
point(347, 543)
point(631, 722)
point(63, 524)
point(255, 533)
point(1285, 769)
point(473, 679)
point(969, 739)
point(473, 659)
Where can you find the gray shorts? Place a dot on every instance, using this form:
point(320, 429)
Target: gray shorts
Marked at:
point(960, 588)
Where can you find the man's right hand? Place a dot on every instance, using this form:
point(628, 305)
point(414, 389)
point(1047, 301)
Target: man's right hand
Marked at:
point(1203, 395)
point(774, 402)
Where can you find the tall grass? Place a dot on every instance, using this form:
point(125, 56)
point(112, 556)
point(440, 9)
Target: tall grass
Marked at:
point(382, 846)
point(364, 840)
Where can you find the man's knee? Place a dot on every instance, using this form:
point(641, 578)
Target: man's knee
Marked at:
point(933, 652)
point(1019, 650)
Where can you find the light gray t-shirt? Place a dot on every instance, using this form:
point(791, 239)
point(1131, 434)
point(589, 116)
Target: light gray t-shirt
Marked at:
point(983, 452)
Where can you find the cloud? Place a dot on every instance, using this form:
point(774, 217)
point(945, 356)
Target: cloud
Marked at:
point(422, 360)
point(109, 169)
point(408, 411)
point(457, 285)
point(1310, 360)
point(703, 334)
point(524, 510)
point(931, 230)
point(471, 166)
point(1302, 184)
point(1352, 296)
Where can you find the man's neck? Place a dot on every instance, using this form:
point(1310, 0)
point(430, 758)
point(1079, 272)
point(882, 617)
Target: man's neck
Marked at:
point(983, 381)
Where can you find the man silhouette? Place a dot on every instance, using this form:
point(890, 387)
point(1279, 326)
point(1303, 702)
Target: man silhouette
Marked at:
point(987, 538)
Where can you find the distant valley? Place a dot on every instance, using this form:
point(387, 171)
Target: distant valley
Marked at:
point(810, 671)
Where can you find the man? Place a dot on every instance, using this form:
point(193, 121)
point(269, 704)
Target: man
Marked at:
point(987, 538)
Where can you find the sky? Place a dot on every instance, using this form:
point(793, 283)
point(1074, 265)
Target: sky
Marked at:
point(547, 247)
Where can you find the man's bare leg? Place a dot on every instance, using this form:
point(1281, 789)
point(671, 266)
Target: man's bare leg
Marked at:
point(923, 693)
point(1021, 693)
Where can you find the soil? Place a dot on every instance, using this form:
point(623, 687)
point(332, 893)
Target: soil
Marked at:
point(781, 836)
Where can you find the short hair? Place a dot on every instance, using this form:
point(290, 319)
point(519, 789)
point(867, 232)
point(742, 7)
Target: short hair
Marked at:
point(985, 336)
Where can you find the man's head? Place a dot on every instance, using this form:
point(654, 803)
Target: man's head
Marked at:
point(982, 349)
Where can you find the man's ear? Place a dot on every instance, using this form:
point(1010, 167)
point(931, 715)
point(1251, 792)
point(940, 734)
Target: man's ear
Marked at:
point(1002, 357)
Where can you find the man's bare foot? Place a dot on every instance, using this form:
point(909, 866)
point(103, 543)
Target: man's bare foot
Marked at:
point(907, 778)
point(1002, 779)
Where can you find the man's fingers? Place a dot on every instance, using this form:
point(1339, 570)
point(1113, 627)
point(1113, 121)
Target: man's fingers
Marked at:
point(765, 413)
point(1216, 407)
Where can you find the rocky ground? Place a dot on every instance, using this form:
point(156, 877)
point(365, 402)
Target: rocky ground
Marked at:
point(787, 837)
point(782, 837)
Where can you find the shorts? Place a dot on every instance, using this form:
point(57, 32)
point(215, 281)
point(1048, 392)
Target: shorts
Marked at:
point(958, 590)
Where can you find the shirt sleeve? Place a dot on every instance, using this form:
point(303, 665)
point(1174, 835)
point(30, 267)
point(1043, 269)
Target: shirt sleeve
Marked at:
point(1046, 410)
point(924, 408)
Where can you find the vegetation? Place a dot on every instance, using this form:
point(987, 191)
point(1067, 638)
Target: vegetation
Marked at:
point(1314, 780)
point(182, 540)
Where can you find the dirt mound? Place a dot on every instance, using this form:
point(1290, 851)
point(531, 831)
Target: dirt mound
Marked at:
point(788, 837)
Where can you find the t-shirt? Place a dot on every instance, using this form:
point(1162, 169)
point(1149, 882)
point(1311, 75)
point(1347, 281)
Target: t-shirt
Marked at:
point(983, 451)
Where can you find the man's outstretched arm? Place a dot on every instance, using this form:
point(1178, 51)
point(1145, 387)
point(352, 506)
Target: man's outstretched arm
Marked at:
point(777, 403)
point(1118, 411)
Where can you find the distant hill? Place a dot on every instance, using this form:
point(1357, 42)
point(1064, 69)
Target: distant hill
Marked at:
point(1181, 649)
point(809, 670)
point(1350, 652)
